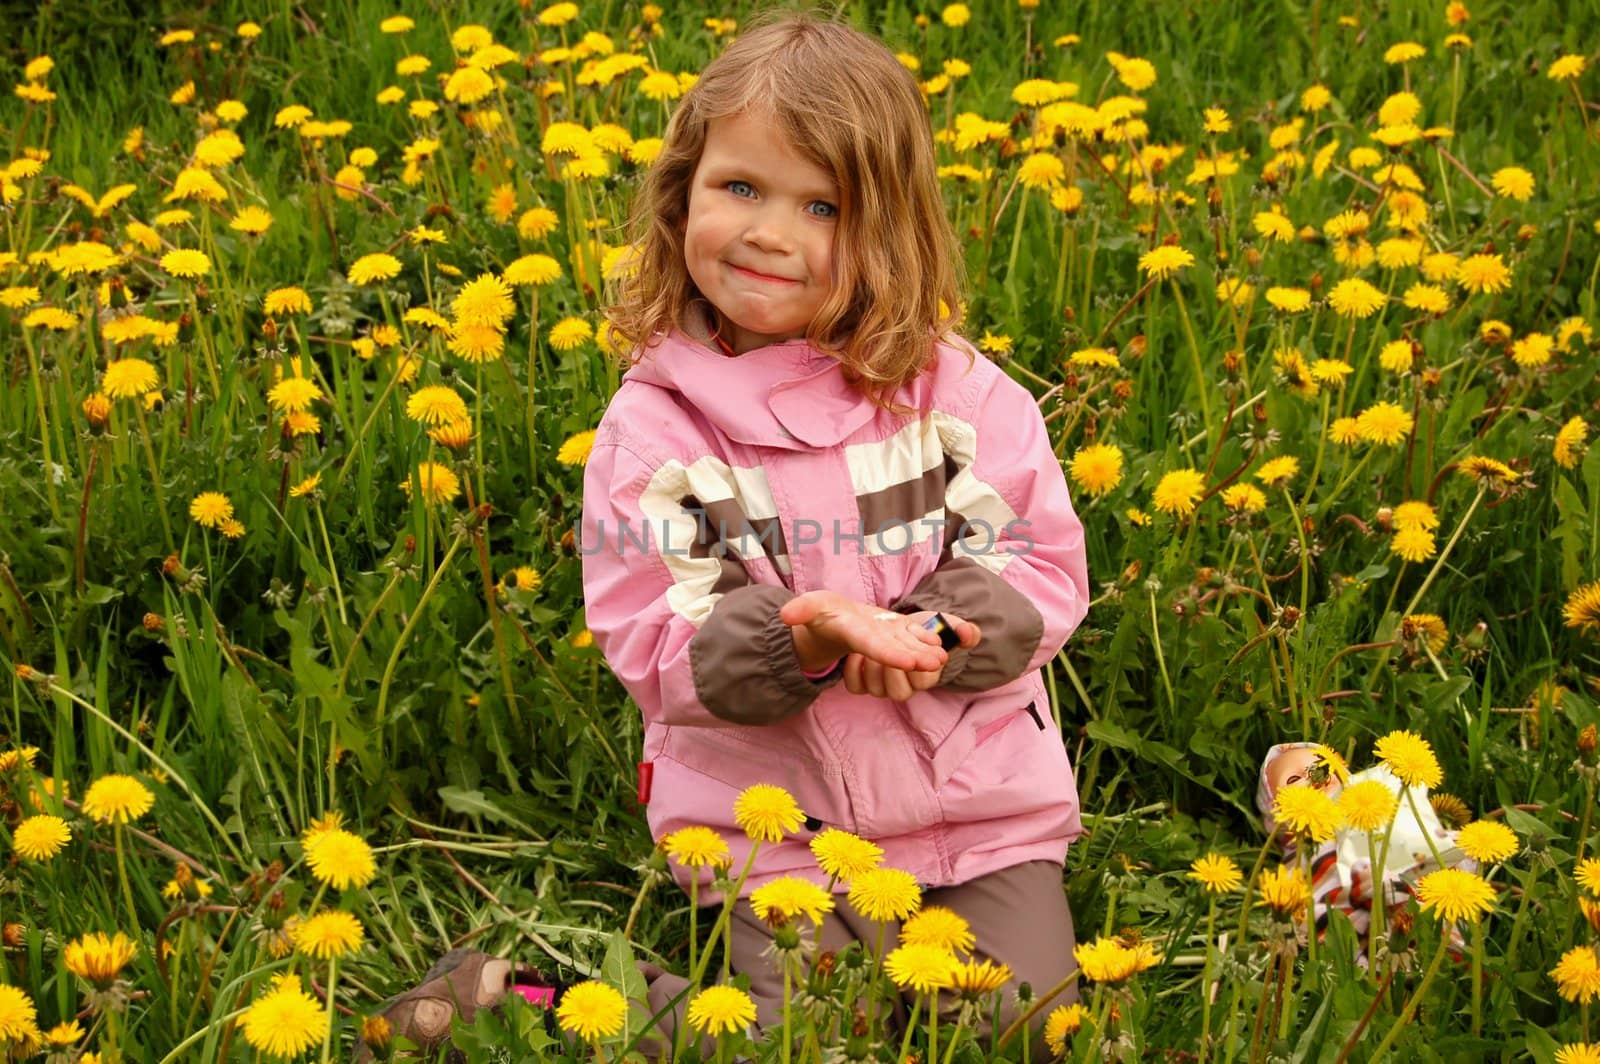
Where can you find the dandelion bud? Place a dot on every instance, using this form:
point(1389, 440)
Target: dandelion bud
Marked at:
point(119, 293)
point(1289, 618)
point(1232, 362)
point(152, 622)
point(567, 540)
point(1214, 199)
point(14, 935)
point(269, 329)
point(1252, 258)
point(785, 936)
point(376, 1034)
point(1136, 346)
point(1316, 282)
point(440, 210)
point(1400, 923)
point(1122, 391)
point(202, 290)
point(1591, 911)
point(1525, 234)
point(97, 412)
point(826, 961)
point(1384, 518)
point(1069, 314)
point(1587, 743)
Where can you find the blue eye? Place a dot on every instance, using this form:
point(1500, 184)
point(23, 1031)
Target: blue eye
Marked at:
point(740, 188)
point(822, 209)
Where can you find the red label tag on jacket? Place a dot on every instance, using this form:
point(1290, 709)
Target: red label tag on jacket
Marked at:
point(647, 771)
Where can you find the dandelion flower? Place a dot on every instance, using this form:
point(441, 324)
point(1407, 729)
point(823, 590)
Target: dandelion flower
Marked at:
point(340, 859)
point(974, 978)
point(1288, 300)
point(1454, 895)
point(290, 300)
point(1488, 470)
point(1582, 609)
point(1041, 170)
point(1307, 812)
point(1062, 1023)
point(884, 894)
point(117, 799)
point(1533, 350)
point(935, 925)
point(1577, 975)
point(1426, 629)
point(1409, 757)
point(1216, 873)
point(1578, 1053)
point(1569, 442)
point(98, 958)
point(1483, 273)
point(1384, 423)
point(306, 486)
point(575, 452)
point(39, 838)
point(18, 1017)
point(210, 508)
point(370, 269)
point(331, 933)
point(1587, 874)
point(252, 221)
point(477, 343)
point(1162, 262)
point(719, 1010)
point(1284, 890)
point(1355, 298)
point(789, 896)
point(921, 968)
point(765, 812)
point(1415, 514)
point(1178, 492)
point(129, 378)
point(1566, 68)
point(532, 270)
point(284, 1022)
point(695, 847)
point(1513, 182)
point(1413, 544)
point(1277, 472)
point(436, 405)
point(293, 395)
point(485, 300)
point(570, 333)
point(1368, 805)
point(1244, 498)
point(1106, 960)
point(1487, 841)
point(955, 15)
point(592, 1010)
point(842, 855)
point(1097, 468)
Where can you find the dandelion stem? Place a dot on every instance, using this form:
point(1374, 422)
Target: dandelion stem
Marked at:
point(1416, 999)
point(122, 874)
point(911, 1027)
point(1448, 547)
point(1583, 826)
point(1161, 660)
point(1477, 979)
point(411, 622)
point(1205, 981)
point(333, 567)
point(1411, 800)
point(155, 473)
point(327, 1034)
point(1194, 354)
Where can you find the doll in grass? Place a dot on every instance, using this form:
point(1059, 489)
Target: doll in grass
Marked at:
point(1342, 869)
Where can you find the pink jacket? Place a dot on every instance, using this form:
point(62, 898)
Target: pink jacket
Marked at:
point(718, 488)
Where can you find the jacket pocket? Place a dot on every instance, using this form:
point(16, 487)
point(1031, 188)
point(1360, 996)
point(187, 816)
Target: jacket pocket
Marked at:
point(743, 757)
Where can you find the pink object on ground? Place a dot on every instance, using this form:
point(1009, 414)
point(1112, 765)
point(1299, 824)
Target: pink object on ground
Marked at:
point(537, 995)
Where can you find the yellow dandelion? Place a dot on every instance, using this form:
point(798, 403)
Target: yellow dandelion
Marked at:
point(1411, 758)
point(592, 1010)
point(1162, 262)
point(436, 405)
point(1454, 895)
point(696, 847)
point(844, 856)
point(1368, 805)
point(370, 269)
point(284, 1022)
point(339, 858)
point(935, 925)
point(328, 934)
point(1178, 492)
point(883, 894)
point(719, 1010)
point(1487, 841)
point(575, 451)
point(1097, 468)
point(765, 812)
point(787, 897)
point(40, 838)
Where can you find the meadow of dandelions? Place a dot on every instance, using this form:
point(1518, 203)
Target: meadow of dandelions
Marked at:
point(304, 335)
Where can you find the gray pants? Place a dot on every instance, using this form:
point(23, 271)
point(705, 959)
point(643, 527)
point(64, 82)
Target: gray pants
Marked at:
point(1019, 916)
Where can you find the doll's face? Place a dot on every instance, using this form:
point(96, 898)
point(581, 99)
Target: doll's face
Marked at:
point(1293, 766)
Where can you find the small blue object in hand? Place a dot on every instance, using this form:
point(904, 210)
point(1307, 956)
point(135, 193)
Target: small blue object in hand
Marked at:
point(948, 637)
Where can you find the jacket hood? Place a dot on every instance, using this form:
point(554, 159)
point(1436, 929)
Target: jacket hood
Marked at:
point(788, 395)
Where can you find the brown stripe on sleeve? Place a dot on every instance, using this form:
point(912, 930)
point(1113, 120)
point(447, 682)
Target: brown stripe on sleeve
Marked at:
point(743, 659)
point(1012, 625)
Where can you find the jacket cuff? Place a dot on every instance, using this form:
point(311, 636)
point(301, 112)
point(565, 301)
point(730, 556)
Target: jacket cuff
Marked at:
point(1012, 626)
point(744, 663)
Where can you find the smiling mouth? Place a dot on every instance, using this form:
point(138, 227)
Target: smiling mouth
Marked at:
point(758, 275)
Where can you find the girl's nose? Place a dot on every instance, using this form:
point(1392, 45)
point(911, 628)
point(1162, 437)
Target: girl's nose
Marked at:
point(767, 233)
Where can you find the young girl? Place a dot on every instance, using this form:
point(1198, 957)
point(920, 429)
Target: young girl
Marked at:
point(803, 465)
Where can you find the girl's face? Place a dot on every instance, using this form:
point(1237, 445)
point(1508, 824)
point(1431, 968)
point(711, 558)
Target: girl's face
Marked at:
point(759, 237)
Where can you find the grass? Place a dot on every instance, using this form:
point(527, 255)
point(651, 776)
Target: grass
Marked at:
point(357, 651)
